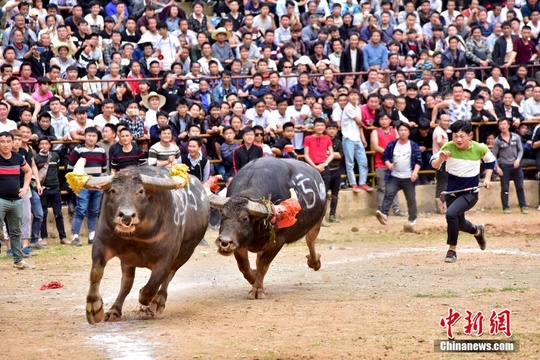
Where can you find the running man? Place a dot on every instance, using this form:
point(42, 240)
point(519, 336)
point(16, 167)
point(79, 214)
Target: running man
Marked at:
point(463, 157)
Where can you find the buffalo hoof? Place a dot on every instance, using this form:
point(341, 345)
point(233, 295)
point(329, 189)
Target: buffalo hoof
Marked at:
point(112, 315)
point(158, 304)
point(94, 311)
point(256, 293)
point(315, 265)
point(148, 311)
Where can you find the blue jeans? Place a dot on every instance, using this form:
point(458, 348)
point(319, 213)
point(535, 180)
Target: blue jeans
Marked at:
point(37, 212)
point(88, 203)
point(11, 210)
point(354, 150)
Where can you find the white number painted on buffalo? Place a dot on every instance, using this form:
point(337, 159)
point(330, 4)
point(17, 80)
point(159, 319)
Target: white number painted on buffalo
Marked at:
point(310, 196)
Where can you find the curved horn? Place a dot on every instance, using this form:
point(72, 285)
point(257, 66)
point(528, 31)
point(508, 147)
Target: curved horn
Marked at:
point(99, 183)
point(216, 201)
point(256, 209)
point(154, 183)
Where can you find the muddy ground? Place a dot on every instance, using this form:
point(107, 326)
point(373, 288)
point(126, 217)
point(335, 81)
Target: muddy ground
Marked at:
point(380, 293)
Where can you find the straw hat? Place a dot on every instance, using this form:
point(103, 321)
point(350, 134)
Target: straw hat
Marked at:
point(220, 30)
point(61, 45)
point(161, 98)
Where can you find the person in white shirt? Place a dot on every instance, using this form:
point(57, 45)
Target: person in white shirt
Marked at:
point(470, 82)
point(298, 112)
point(5, 123)
point(107, 107)
point(167, 46)
point(354, 143)
point(94, 20)
point(258, 115)
point(279, 117)
point(496, 78)
point(282, 34)
point(531, 107)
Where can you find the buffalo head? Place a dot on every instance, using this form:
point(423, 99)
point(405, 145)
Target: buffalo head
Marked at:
point(128, 193)
point(237, 217)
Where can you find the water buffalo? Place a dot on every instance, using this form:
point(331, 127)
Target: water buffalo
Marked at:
point(243, 216)
point(145, 221)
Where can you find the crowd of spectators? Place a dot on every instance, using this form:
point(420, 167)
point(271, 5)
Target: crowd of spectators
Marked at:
point(272, 68)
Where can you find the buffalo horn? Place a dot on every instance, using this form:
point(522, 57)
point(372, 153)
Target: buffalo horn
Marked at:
point(216, 201)
point(154, 183)
point(98, 183)
point(257, 209)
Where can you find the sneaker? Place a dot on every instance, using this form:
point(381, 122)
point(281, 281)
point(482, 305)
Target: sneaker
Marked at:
point(38, 245)
point(506, 211)
point(412, 223)
point(91, 237)
point(21, 265)
point(334, 219)
point(366, 187)
point(9, 253)
point(451, 256)
point(481, 237)
point(27, 250)
point(356, 188)
point(325, 224)
point(65, 241)
point(401, 213)
point(75, 241)
point(381, 217)
point(524, 210)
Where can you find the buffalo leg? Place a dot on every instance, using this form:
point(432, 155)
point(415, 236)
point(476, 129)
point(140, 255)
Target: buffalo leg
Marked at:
point(158, 302)
point(242, 259)
point(313, 259)
point(128, 275)
point(264, 259)
point(94, 302)
point(158, 276)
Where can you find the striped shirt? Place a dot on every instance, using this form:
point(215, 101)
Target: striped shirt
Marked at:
point(121, 159)
point(158, 152)
point(96, 159)
point(9, 176)
point(463, 166)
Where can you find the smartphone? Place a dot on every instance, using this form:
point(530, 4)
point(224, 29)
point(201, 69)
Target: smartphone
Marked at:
point(40, 49)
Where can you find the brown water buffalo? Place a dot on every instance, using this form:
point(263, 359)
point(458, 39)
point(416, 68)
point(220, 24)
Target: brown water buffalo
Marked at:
point(147, 222)
point(243, 227)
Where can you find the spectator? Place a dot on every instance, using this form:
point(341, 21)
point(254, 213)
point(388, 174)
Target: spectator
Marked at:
point(198, 165)
point(508, 151)
point(88, 201)
point(11, 193)
point(47, 163)
point(354, 143)
point(128, 155)
point(247, 152)
point(403, 159)
point(440, 138)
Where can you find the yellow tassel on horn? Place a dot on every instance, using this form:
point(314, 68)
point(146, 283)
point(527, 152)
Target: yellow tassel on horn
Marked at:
point(77, 179)
point(180, 174)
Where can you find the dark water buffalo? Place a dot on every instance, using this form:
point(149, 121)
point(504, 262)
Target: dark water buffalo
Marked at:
point(145, 222)
point(242, 226)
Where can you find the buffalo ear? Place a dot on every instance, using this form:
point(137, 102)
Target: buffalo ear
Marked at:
point(217, 202)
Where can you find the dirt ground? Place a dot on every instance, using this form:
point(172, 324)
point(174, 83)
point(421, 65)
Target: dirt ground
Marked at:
point(380, 294)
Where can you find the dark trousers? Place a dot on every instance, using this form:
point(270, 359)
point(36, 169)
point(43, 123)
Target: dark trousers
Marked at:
point(52, 198)
point(392, 188)
point(510, 173)
point(455, 216)
point(335, 181)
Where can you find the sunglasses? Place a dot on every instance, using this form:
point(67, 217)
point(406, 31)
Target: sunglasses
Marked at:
point(259, 134)
point(287, 67)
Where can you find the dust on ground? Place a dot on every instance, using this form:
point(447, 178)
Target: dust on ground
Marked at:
point(380, 293)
